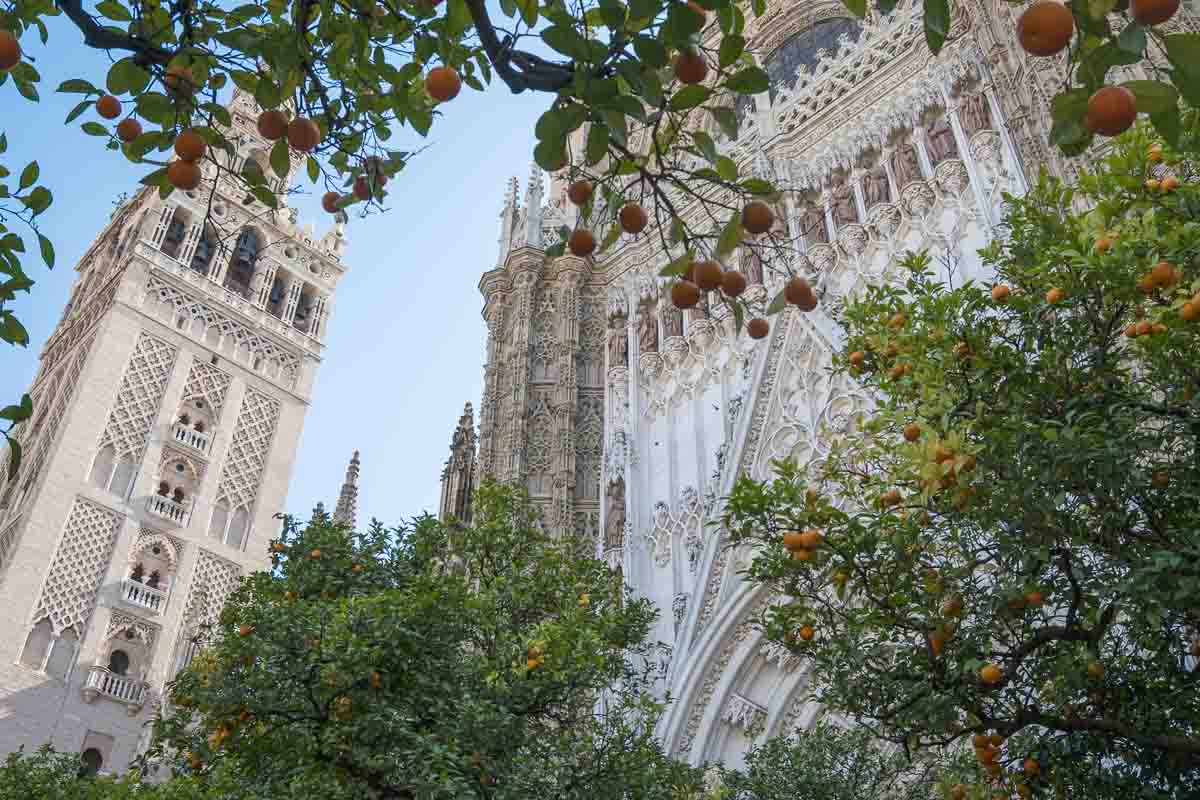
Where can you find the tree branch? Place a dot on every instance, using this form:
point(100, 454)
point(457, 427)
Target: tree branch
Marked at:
point(531, 72)
point(104, 39)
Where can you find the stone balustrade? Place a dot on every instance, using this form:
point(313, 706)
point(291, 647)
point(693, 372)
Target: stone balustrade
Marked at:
point(139, 594)
point(101, 682)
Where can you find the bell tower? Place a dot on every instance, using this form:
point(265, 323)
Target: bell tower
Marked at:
point(167, 410)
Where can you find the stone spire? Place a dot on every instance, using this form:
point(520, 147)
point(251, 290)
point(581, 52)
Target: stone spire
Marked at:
point(509, 219)
point(533, 208)
point(458, 477)
point(347, 504)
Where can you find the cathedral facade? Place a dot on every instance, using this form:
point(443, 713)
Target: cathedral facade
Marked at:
point(167, 409)
point(628, 420)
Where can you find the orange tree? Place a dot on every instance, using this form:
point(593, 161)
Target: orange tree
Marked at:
point(431, 661)
point(348, 87)
point(1003, 552)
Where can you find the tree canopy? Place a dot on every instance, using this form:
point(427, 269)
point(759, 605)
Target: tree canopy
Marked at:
point(631, 88)
point(1002, 552)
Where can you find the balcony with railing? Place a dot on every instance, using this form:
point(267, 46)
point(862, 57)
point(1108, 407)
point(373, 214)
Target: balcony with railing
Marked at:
point(101, 682)
point(138, 594)
point(187, 435)
point(172, 510)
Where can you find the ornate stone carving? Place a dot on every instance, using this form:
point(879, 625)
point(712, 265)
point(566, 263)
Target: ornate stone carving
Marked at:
point(941, 140)
point(68, 596)
point(842, 204)
point(905, 165)
point(974, 113)
point(745, 714)
point(647, 329)
point(875, 187)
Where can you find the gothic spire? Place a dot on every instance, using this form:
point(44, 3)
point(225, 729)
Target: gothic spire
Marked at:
point(458, 478)
point(347, 504)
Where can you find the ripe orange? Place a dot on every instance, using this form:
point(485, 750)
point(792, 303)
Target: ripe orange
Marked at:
point(329, 202)
point(952, 606)
point(897, 320)
point(811, 539)
point(802, 554)
point(1055, 295)
point(303, 134)
point(581, 242)
point(757, 217)
point(190, 146)
point(183, 175)
point(245, 630)
point(1169, 184)
point(937, 642)
point(793, 540)
point(376, 679)
point(990, 673)
point(857, 358)
point(108, 107)
point(757, 328)
point(806, 632)
point(1144, 328)
point(1095, 670)
point(685, 294)
point(912, 432)
point(316, 553)
point(1152, 185)
point(1163, 273)
point(1131, 330)
point(979, 741)
point(272, 124)
point(962, 350)
point(691, 67)
point(1045, 28)
point(708, 275)
point(1110, 110)
point(890, 498)
point(443, 83)
point(1000, 293)
point(10, 50)
point(1160, 479)
point(356, 568)
point(1034, 599)
point(128, 129)
point(1189, 312)
point(1154, 154)
point(733, 283)
point(1103, 244)
point(579, 192)
point(1153, 12)
point(1032, 767)
point(632, 218)
point(797, 292)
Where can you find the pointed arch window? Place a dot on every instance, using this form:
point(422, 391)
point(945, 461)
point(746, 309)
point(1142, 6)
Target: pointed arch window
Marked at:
point(241, 267)
point(206, 248)
point(803, 50)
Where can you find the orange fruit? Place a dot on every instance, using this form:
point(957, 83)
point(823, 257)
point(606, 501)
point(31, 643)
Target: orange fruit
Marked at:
point(1189, 312)
point(183, 174)
point(632, 217)
point(793, 540)
point(245, 630)
point(1110, 110)
point(272, 124)
point(1131, 330)
point(1154, 154)
point(1000, 293)
point(757, 328)
point(979, 741)
point(685, 294)
point(1152, 12)
point(806, 632)
point(757, 217)
point(708, 274)
point(579, 192)
point(1160, 479)
point(962, 350)
point(897, 320)
point(890, 498)
point(10, 50)
point(1163, 273)
point(108, 107)
point(937, 642)
point(1152, 185)
point(1169, 184)
point(690, 67)
point(443, 83)
point(811, 539)
point(128, 129)
point(990, 673)
point(581, 242)
point(1055, 295)
point(1103, 244)
point(1045, 28)
point(857, 358)
point(1035, 598)
point(190, 146)
point(733, 283)
point(958, 792)
point(797, 292)
point(277, 547)
point(303, 134)
point(912, 432)
point(362, 189)
point(1144, 328)
point(316, 553)
point(329, 202)
point(802, 554)
point(952, 606)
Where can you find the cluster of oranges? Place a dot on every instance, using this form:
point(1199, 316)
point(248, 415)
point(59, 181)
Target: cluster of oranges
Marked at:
point(1046, 29)
point(184, 172)
point(802, 544)
point(582, 242)
point(534, 657)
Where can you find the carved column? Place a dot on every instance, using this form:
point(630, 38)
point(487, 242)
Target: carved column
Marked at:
point(319, 314)
point(893, 186)
point(160, 228)
point(860, 201)
point(264, 279)
point(964, 151)
point(294, 287)
point(513, 460)
point(918, 142)
point(489, 430)
point(190, 241)
point(566, 398)
point(1010, 148)
point(827, 207)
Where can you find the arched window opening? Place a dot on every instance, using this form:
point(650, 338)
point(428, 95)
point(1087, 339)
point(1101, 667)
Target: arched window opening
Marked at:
point(118, 662)
point(236, 537)
point(275, 298)
point(220, 519)
point(305, 315)
point(241, 267)
point(102, 467)
point(206, 248)
point(803, 50)
point(177, 229)
point(33, 655)
point(62, 654)
point(122, 477)
point(92, 762)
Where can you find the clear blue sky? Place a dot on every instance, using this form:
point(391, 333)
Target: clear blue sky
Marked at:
point(405, 345)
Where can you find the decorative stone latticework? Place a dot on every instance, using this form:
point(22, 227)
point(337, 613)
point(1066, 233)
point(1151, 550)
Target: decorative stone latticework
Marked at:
point(879, 148)
point(167, 409)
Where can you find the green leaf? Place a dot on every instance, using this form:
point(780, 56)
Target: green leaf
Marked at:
point(1095, 66)
point(29, 175)
point(731, 235)
point(678, 266)
point(1153, 96)
point(778, 304)
point(739, 315)
point(611, 235)
point(650, 51)
point(47, 248)
point(529, 11)
point(1168, 125)
point(265, 196)
point(689, 97)
point(597, 143)
point(280, 163)
point(80, 107)
point(567, 41)
point(77, 86)
point(550, 156)
point(14, 458)
point(726, 168)
point(732, 47)
point(1133, 39)
point(1069, 105)
point(38, 200)
point(12, 331)
point(705, 145)
point(856, 7)
point(726, 120)
point(314, 169)
point(937, 23)
point(126, 76)
point(752, 80)
point(114, 10)
point(759, 187)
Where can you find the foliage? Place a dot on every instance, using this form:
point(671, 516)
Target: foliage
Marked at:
point(1008, 540)
point(828, 762)
point(620, 115)
point(428, 661)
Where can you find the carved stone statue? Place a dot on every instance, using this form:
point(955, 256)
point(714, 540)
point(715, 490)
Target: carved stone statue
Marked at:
point(844, 210)
point(812, 226)
point(974, 114)
point(751, 263)
point(647, 329)
point(614, 522)
point(905, 165)
point(875, 187)
point(941, 141)
point(618, 347)
point(672, 320)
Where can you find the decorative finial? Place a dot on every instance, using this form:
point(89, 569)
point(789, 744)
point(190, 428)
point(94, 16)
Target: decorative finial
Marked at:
point(347, 504)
